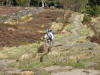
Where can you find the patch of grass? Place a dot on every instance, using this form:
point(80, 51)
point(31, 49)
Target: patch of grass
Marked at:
point(57, 36)
point(55, 57)
point(70, 27)
point(30, 63)
point(96, 59)
point(16, 52)
point(83, 31)
point(3, 73)
point(25, 18)
point(20, 20)
point(42, 72)
point(77, 65)
point(81, 64)
point(50, 60)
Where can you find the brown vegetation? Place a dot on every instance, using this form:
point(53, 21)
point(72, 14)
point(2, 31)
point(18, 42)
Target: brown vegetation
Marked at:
point(29, 32)
point(94, 25)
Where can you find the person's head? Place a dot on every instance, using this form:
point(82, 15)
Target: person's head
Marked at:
point(48, 30)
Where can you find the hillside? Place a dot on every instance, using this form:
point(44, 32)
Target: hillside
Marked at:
point(25, 28)
point(73, 52)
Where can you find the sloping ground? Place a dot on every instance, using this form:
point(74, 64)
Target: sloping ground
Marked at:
point(74, 49)
point(70, 48)
point(28, 32)
point(21, 34)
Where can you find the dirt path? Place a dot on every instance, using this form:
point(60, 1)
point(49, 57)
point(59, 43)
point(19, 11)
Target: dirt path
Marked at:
point(67, 70)
point(5, 68)
point(77, 23)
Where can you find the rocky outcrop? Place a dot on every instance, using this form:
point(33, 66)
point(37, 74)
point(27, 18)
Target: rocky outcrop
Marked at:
point(20, 14)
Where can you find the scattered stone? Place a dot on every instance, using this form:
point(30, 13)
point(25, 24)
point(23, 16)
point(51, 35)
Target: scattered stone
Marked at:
point(90, 64)
point(19, 14)
point(28, 73)
point(62, 59)
point(25, 56)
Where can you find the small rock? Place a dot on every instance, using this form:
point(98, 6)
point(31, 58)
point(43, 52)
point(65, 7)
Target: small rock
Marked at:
point(25, 56)
point(62, 59)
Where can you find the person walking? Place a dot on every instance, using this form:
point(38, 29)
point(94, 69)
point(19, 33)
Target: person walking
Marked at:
point(49, 36)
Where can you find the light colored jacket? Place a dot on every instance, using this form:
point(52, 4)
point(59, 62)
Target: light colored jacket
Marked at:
point(49, 35)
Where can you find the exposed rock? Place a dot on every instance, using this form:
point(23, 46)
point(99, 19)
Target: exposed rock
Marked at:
point(19, 14)
point(62, 59)
point(11, 29)
point(56, 26)
point(25, 56)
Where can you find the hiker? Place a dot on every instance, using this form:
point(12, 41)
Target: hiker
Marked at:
point(49, 36)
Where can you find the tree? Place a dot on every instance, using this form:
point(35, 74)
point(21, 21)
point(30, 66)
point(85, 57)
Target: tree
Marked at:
point(23, 2)
point(54, 3)
point(93, 8)
point(43, 3)
point(9, 2)
point(76, 5)
point(2, 2)
point(6, 2)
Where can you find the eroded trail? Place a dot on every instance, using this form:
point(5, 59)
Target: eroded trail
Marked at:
point(67, 70)
point(5, 68)
point(77, 22)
